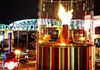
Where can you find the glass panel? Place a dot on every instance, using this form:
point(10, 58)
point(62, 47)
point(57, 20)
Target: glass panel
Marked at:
point(97, 30)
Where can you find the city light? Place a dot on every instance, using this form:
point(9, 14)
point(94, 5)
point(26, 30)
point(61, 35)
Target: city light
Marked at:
point(1, 38)
point(82, 38)
point(62, 44)
point(17, 52)
point(46, 37)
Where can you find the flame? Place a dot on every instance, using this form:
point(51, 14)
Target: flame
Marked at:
point(65, 16)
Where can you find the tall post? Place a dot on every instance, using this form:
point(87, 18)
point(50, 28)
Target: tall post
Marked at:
point(9, 42)
point(18, 39)
point(27, 40)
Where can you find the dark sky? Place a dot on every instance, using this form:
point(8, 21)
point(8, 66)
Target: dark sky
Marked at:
point(13, 10)
point(96, 7)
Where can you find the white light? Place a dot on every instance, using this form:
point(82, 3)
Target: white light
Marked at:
point(6, 64)
point(40, 41)
point(9, 65)
point(16, 64)
point(82, 38)
point(17, 52)
point(63, 44)
point(65, 16)
point(1, 38)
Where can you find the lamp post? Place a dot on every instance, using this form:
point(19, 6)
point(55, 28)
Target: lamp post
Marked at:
point(9, 42)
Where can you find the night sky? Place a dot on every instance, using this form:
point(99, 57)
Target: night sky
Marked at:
point(13, 10)
point(96, 7)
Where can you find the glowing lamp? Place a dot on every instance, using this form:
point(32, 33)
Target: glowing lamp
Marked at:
point(63, 44)
point(82, 38)
point(17, 52)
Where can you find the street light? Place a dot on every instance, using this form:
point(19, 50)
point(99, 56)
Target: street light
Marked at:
point(17, 52)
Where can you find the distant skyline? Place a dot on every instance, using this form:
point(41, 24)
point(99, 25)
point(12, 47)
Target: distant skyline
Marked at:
point(13, 10)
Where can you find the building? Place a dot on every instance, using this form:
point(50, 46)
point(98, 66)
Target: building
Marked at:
point(49, 8)
point(69, 56)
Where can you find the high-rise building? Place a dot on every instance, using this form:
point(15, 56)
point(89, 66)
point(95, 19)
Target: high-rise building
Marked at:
point(49, 8)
